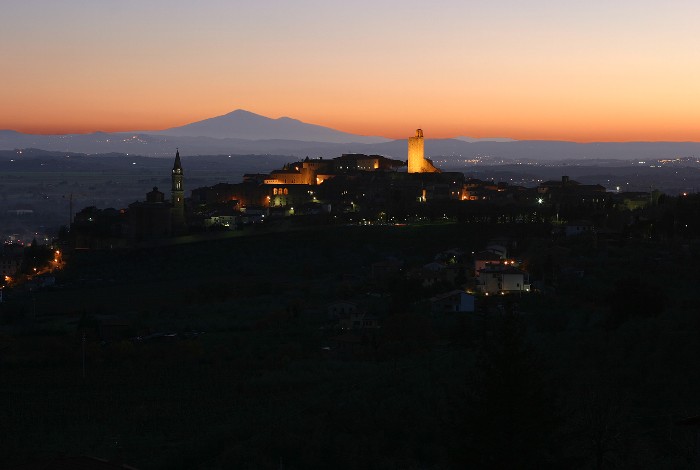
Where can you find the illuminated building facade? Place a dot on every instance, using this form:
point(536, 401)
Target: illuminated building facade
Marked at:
point(417, 163)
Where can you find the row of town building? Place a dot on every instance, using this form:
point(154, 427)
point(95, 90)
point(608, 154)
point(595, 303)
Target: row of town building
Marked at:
point(372, 185)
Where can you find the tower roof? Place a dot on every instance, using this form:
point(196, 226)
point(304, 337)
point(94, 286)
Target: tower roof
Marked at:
point(177, 165)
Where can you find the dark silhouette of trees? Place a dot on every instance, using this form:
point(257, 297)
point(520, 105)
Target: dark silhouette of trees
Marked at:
point(513, 417)
point(633, 297)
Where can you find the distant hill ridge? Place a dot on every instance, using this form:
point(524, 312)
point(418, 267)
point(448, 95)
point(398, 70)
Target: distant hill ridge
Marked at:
point(244, 133)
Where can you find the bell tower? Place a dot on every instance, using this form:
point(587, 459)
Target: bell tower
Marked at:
point(178, 196)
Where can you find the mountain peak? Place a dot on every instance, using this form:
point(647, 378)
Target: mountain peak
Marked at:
point(241, 112)
point(242, 124)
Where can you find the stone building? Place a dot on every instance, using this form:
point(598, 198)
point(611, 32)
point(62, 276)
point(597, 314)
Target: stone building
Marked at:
point(11, 258)
point(150, 219)
point(156, 217)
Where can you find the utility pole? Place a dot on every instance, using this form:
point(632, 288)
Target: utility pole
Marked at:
point(70, 209)
point(31, 292)
point(83, 353)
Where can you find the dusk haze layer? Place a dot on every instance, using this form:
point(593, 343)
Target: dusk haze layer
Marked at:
point(584, 71)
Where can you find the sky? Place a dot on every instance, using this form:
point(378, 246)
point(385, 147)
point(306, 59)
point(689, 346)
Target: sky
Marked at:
point(537, 69)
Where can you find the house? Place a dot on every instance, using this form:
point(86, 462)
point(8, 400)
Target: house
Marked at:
point(350, 316)
point(339, 309)
point(433, 273)
point(570, 193)
point(578, 227)
point(453, 301)
point(383, 271)
point(503, 280)
point(253, 214)
point(483, 259)
point(11, 258)
point(500, 250)
point(358, 321)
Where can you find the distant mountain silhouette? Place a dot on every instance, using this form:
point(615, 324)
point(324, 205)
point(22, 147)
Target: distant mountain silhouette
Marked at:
point(245, 133)
point(444, 150)
point(484, 139)
point(241, 124)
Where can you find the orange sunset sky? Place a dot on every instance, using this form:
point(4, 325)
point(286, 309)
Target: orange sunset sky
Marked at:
point(588, 71)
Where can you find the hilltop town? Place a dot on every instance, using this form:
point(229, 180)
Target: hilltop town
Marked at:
point(351, 188)
point(366, 190)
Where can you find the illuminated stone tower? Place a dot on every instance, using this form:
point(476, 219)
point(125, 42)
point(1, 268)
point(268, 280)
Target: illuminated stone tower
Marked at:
point(415, 152)
point(178, 196)
point(417, 162)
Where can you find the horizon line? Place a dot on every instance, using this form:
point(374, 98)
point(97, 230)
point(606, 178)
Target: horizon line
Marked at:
point(408, 134)
point(389, 139)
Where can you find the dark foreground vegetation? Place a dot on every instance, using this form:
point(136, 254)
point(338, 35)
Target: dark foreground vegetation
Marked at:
point(224, 360)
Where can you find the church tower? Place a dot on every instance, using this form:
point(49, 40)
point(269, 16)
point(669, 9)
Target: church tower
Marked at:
point(178, 196)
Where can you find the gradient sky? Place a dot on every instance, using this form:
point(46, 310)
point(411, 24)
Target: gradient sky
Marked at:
point(535, 69)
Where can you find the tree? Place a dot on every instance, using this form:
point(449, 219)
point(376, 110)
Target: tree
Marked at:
point(512, 418)
point(634, 297)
